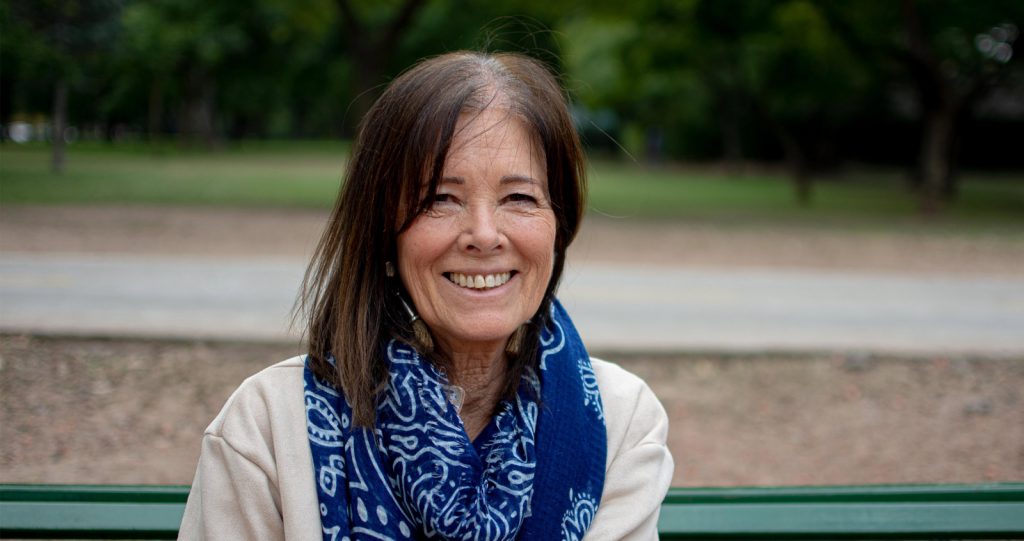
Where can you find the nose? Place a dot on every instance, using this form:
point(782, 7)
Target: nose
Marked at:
point(481, 232)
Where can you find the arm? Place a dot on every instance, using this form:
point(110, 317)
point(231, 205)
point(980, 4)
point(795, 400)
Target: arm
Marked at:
point(255, 474)
point(640, 466)
point(239, 491)
point(231, 497)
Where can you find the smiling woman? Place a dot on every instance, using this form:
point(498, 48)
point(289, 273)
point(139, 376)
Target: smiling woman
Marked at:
point(447, 394)
point(478, 261)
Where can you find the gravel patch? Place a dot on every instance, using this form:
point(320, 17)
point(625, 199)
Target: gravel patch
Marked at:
point(132, 411)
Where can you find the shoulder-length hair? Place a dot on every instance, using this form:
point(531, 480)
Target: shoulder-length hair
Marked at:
point(393, 173)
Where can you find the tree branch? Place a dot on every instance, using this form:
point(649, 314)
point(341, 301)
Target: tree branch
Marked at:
point(918, 56)
point(353, 28)
point(398, 25)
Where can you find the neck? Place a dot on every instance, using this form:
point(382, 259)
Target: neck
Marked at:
point(481, 374)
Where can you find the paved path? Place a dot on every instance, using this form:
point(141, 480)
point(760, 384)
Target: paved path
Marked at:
point(616, 307)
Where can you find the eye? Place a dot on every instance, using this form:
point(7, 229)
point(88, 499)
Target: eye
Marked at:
point(439, 202)
point(442, 199)
point(521, 198)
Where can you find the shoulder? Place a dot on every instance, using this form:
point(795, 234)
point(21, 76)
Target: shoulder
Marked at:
point(263, 404)
point(254, 473)
point(633, 413)
point(639, 466)
point(616, 382)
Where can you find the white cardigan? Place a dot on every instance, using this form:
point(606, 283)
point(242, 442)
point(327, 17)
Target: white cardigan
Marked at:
point(255, 474)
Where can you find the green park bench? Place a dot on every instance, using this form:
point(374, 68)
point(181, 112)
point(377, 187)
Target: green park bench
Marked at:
point(990, 511)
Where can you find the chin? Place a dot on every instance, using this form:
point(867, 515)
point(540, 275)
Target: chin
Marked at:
point(495, 336)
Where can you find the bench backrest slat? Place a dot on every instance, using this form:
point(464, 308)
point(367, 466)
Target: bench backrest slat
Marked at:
point(862, 512)
point(869, 512)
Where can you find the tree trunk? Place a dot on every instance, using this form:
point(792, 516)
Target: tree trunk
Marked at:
point(934, 159)
point(654, 149)
point(198, 112)
point(154, 122)
point(60, 121)
point(371, 49)
point(369, 75)
point(732, 140)
point(799, 166)
point(298, 130)
point(204, 119)
point(951, 184)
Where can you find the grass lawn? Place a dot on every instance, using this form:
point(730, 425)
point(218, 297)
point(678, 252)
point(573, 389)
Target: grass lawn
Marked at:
point(307, 174)
point(252, 174)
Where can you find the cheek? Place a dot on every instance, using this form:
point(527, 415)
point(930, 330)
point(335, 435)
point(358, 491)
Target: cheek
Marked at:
point(416, 248)
point(426, 242)
point(537, 242)
point(425, 239)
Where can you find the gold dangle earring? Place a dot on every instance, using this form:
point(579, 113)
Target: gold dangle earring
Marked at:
point(515, 342)
point(424, 342)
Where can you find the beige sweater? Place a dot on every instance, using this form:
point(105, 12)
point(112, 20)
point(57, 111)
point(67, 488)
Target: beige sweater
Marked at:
point(255, 475)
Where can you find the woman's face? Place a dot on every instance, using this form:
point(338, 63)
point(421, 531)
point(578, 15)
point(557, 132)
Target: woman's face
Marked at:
point(477, 263)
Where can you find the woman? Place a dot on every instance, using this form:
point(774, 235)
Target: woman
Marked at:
point(446, 393)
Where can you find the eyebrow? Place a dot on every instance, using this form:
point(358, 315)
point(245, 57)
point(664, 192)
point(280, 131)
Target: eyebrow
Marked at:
point(507, 179)
point(518, 179)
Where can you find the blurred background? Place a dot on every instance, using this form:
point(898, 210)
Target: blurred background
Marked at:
point(805, 225)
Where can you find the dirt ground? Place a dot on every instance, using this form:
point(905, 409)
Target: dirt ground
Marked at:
point(284, 232)
point(132, 411)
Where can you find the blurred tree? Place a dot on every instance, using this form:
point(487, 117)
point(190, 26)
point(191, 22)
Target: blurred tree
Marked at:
point(951, 71)
point(634, 59)
point(286, 42)
point(249, 69)
point(189, 43)
point(228, 63)
point(58, 41)
point(698, 79)
point(803, 83)
point(383, 38)
point(372, 31)
point(951, 54)
point(721, 64)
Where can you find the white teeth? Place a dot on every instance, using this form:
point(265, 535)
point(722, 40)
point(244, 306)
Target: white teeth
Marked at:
point(479, 281)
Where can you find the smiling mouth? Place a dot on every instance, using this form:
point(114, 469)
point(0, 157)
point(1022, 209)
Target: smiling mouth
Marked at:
point(479, 281)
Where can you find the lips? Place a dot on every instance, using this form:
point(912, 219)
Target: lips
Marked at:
point(479, 281)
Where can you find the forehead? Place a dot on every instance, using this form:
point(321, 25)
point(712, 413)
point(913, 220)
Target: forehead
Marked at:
point(494, 136)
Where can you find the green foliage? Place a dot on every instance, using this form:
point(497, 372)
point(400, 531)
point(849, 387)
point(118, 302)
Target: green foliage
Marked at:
point(44, 41)
point(249, 53)
point(591, 44)
point(810, 81)
point(970, 41)
point(705, 70)
point(799, 68)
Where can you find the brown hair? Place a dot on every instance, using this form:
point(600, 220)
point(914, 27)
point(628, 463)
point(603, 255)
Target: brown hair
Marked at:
point(351, 304)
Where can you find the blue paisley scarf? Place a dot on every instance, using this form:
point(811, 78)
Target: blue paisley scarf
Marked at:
point(535, 472)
